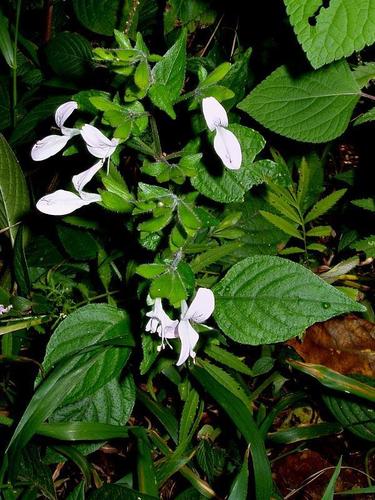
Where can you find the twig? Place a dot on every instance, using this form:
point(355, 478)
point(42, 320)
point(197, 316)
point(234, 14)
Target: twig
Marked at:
point(203, 51)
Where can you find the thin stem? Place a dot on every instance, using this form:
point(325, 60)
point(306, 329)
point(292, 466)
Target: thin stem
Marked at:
point(156, 137)
point(372, 97)
point(18, 12)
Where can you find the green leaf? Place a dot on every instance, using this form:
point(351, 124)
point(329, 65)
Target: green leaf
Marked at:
point(367, 245)
point(227, 359)
point(239, 488)
point(5, 112)
point(14, 196)
point(118, 492)
point(364, 74)
point(69, 55)
point(205, 259)
point(331, 33)
point(310, 181)
point(145, 467)
point(366, 117)
point(111, 404)
point(34, 472)
point(241, 416)
point(21, 270)
point(320, 231)
point(6, 45)
point(161, 98)
point(188, 415)
point(192, 14)
point(267, 299)
point(175, 284)
point(224, 185)
point(78, 493)
point(325, 204)
point(281, 223)
point(357, 416)
point(318, 104)
point(150, 270)
point(86, 327)
point(330, 490)
point(365, 203)
point(99, 17)
point(170, 70)
point(78, 243)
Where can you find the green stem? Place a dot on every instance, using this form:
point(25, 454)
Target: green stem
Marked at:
point(18, 12)
point(156, 137)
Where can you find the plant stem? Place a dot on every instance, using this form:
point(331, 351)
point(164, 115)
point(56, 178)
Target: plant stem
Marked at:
point(368, 96)
point(18, 12)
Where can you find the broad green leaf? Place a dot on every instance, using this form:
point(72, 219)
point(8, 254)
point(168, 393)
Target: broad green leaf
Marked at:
point(34, 472)
point(111, 404)
point(78, 243)
point(86, 327)
point(14, 196)
point(364, 74)
point(69, 55)
point(260, 236)
point(325, 204)
point(357, 416)
point(281, 223)
point(367, 246)
point(161, 98)
point(241, 416)
point(175, 284)
point(170, 70)
point(239, 488)
point(318, 105)
point(329, 33)
point(267, 299)
point(99, 17)
point(26, 128)
point(221, 184)
point(365, 203)
point(366, 117)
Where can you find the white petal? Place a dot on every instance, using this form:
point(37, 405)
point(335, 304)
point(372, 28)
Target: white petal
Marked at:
point(167, 325)
point(202, 306)
point(64, 111)
point(90, 197)
point(228, 148)
point(48, 146)
point(80, 180)
point(97, 143)
point(189, 338)
point(60, 203)
point(214, 113)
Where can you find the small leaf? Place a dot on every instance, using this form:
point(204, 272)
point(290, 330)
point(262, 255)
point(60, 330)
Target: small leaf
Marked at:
point(365, 203)
point(318, 104)
point(267, 299)
point(282, 224)
point(323, 205)
point(366, 117)
point(320, 231)
point(6, 45)
point(367, 245)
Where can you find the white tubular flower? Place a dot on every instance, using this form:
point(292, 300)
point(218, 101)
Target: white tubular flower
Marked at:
point(161, 323)
point(4, 310)
point(52, 144)
point(199, 311)
point(97, 143)
point(63, 202)
point(226, 143)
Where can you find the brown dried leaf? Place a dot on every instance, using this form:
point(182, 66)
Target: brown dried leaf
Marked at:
point(345, 344)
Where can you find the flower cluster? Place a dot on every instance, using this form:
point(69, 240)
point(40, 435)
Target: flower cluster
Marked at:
point(199, 311)
point(63, 202)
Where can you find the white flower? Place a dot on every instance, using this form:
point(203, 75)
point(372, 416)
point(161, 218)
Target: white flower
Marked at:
point(4, 310)
point(98, 144)
point(63, 202)
point(52, 144)
point(226, 143)
point(161, 323)
point(199, 311)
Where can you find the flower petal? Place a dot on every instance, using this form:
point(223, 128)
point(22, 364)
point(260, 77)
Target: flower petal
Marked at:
point(80, 180)
point(228, 148)
point(97, 143)
point(214, 113)
point(90, 197)
point(189, 338)
point(64, 111)
point(48, 146)
point(201, 307)
point(167, 325)
point(61, 203)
